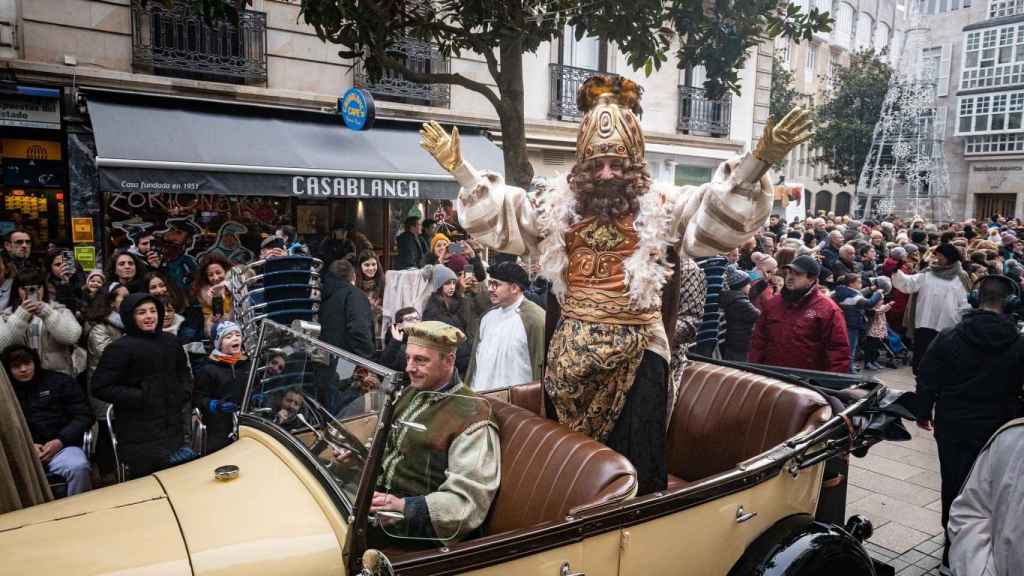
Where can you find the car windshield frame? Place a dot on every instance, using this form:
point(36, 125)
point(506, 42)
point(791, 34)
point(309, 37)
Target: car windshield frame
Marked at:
point(390, 384)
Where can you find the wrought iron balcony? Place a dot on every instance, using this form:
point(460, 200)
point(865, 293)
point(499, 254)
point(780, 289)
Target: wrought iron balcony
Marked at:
point(700, 115)
point(171, 40)
point(565, 82)
point(419, 56)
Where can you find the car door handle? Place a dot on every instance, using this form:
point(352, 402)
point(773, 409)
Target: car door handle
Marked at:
point(566, 570)
point(742, 516)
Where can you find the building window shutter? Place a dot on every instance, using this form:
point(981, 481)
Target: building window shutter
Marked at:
point(942, 87)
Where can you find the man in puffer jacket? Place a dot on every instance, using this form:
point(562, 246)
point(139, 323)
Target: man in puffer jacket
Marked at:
point(740, 316)
point(854, 305)
point(220, 385)
point(145, 375)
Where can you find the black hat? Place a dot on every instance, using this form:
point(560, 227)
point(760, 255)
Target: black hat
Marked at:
point(510, 272)
point(272, 242)
point(951, 252)
point(805, 265)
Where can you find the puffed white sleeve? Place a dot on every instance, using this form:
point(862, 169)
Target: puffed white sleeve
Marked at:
point(461, 503)
point(499, 216)
point(721, 215)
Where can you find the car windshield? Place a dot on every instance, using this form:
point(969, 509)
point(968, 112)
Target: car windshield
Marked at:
point(326, 399)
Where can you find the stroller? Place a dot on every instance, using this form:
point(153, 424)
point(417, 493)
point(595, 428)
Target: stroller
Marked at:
point(894, 352)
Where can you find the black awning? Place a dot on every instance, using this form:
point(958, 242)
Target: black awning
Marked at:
point(168, 145)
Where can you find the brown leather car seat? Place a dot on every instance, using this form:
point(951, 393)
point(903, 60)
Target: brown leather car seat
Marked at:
point(724, 416)
point(548, 472)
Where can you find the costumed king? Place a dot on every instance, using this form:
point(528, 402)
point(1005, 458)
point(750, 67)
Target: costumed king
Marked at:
point(603, 233)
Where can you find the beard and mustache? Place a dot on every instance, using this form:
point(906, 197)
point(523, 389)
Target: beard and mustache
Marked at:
point(608, 199)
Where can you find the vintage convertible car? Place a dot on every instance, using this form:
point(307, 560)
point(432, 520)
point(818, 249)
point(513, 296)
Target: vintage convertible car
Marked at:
point(756, 461)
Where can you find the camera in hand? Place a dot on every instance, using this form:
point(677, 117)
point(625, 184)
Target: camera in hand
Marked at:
point(217, 303)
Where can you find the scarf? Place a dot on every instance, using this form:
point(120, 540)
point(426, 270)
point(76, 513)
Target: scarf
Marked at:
point(951, 271)
point(229, 359)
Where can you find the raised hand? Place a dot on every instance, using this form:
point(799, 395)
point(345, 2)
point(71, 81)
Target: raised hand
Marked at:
point(444, 148)
point(794, 129)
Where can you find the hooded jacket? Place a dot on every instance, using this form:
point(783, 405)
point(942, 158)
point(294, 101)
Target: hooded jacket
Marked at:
point(971, 376)
point(854, 304)
point(808, 334)
point(53, 404)
point(146, 377)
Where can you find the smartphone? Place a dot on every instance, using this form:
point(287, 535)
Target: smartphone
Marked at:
point(69, 261)
point(30, 294)
point(456, 248)
point(217, 303)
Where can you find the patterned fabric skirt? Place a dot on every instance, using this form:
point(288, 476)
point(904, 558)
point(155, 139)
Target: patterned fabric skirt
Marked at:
point(591, 368)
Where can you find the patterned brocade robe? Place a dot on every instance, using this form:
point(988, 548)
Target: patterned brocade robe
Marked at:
point(608, 276)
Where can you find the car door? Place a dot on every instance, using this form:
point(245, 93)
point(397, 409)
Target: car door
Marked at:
point(593, 556)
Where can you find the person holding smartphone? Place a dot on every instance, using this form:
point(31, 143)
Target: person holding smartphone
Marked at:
point(47, 327)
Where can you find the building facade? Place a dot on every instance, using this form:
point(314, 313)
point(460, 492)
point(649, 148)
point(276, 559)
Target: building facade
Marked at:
point(984, 131)
point(858, 25)
point(235, 127)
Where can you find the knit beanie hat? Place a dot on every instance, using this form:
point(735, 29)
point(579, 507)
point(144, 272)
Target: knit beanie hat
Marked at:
point(949, 251)
point(95, 272)
point(764, 262)
point(222, 329)
point(437, 238)
point(911, 249)
point(884, 284)
point(898, 253)
point(441, 276)
point(1008, 238)
point(736, 278)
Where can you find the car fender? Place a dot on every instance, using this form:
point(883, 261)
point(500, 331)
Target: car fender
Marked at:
point(800, 546)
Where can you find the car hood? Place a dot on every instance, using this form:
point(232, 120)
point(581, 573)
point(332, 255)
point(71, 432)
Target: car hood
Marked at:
point(274, 518)
point(129, 528)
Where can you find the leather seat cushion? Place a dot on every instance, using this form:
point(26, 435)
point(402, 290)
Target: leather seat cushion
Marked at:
point(548, 472)
point(724, 416)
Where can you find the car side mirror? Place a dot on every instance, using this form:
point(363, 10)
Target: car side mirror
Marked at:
point(375, 563)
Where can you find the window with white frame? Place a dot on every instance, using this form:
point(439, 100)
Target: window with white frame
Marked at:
point(1000, 8)
point(994, 143)
point(931, 59)
point(844, 25)
point(783, 50)
point(810, 62)
point(864, 25)
point(993, 57)
point(986, 113)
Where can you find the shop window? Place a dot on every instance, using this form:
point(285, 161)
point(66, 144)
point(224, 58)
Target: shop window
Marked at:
point(692, 175)
point(32, 190)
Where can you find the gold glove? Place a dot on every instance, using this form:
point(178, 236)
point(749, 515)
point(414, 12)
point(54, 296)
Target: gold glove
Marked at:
point(777, 141)
point(444, 148)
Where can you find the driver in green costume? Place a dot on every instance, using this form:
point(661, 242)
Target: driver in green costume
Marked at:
point(441, 466)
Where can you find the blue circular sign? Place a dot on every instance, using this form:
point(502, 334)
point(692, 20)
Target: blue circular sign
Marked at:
point(357, 109)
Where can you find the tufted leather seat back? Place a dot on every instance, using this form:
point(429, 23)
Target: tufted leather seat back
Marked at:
point(724, 416)
point(548, 472)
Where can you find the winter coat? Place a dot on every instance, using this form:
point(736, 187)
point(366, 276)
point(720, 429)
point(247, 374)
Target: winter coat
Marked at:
point(854, 305)
point(54, 406)
point(985, 527)
point(410, 251)
point(145, 376)
point(740, 316)
point(939, 302)
point(219, 381)
point(841, 267)
point(972, 376)
point(808, 334)
point(100, 336)
point(59, 333)
point(346, 317)
point(830, 255)
point(452, 314)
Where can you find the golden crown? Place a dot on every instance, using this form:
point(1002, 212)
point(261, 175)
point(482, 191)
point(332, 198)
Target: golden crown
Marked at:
point(611, 123)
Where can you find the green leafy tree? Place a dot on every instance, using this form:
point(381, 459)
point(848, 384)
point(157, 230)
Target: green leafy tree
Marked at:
point(847, 117)
point(783, 94)
point(717, 34)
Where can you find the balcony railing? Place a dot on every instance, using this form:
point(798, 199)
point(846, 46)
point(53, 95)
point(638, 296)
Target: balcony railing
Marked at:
point(700, 115)
point(419, 56)
point(565, 82)
point(170, 39)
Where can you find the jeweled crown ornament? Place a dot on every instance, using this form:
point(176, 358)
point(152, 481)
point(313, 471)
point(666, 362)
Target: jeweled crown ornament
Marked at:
point(611, 120)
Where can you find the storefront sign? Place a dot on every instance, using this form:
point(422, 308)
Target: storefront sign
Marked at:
point(132, 180)
point(30, 112)
point(357, 109)
point(29, 149)
point(81, 231)
point(86, 256)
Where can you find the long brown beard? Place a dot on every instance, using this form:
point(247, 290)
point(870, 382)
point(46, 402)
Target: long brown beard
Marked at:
point(608, 199)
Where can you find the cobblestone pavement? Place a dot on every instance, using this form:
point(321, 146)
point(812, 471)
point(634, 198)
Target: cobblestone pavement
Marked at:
point(897, 487)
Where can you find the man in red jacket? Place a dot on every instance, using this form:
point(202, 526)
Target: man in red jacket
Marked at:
point(801, 327)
